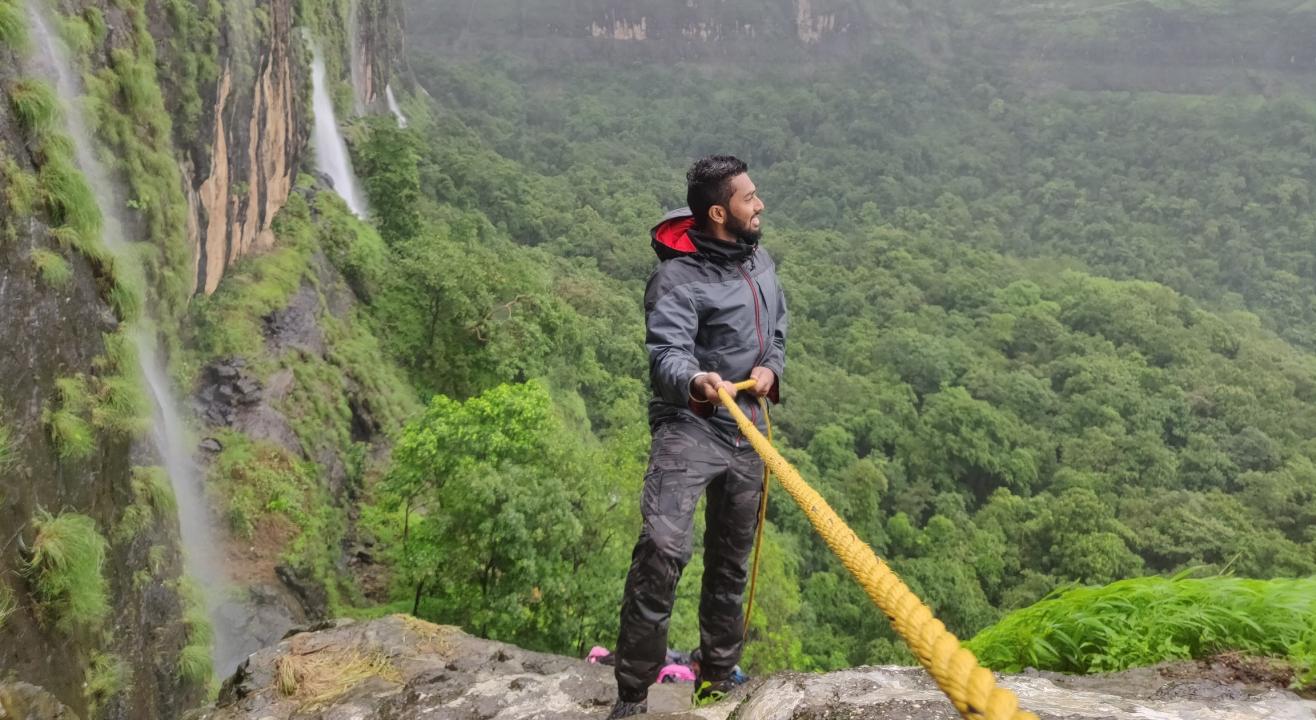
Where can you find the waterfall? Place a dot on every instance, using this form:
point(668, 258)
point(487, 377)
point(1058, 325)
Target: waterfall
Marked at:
point(393, 106)
point(354, 58)
point(330, 149)
point(169, 435)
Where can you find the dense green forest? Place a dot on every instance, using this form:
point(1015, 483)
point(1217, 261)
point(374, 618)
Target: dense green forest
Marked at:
point(1036, 340)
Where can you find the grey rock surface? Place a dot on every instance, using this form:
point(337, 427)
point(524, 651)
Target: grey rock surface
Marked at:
point(399, 668)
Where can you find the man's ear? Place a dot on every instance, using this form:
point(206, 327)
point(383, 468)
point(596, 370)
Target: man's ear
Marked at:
point(718, 214)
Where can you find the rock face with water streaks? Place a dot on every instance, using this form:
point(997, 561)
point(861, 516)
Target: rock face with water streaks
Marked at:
point(244, 152)
point(233, 81)
point(399, 667)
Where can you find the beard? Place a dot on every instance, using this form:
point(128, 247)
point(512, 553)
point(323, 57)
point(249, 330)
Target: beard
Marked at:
point(743, 232)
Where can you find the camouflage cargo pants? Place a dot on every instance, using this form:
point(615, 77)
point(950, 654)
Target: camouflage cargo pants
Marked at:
point(686, 459)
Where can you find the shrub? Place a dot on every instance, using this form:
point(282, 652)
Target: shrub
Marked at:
point(1144, 621)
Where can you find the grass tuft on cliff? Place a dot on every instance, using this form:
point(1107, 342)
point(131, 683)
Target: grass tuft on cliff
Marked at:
point(13, 26)
point(7, 451)
point(7, 604)
point(66, 421)
point(108, 676)
point(65, 568)
point(153, 502)
point(194, 662)
point(33, 102)
point(1144, 621)
point(52, 267)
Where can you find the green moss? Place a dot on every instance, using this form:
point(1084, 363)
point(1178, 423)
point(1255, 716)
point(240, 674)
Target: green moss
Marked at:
point(35, 105)
point(127, 105)
point(52, 266)
point(13, 25)
point(229, 322)
point(194, 43)
point(66, 421)
point(259, 479)
point(156, 558)
point(142, 579)
point(65, 568)
point(108, 676)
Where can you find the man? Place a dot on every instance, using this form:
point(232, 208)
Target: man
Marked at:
point(714, 313)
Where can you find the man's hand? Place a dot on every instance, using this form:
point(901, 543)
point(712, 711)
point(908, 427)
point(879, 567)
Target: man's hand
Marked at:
point(763, 379)
point(705, 387)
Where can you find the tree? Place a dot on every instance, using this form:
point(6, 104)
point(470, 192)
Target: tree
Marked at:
point(504, 522)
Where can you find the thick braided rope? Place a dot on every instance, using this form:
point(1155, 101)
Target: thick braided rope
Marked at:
point(970, 687)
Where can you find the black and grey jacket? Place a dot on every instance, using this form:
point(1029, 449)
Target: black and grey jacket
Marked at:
point(710, 306)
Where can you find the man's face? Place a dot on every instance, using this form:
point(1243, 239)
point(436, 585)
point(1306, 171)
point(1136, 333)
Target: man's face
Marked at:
point(743, 210)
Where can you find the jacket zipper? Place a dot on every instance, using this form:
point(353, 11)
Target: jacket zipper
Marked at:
point(758, 331)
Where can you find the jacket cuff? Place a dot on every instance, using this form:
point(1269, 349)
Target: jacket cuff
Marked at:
point(690, 387)
point(701, 408)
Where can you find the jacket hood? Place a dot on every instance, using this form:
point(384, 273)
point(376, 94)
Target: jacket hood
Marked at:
point(675, 236)
point(671, 237)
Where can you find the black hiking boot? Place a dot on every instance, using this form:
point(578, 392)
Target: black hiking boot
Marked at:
point(708, 692)
point(625, 709)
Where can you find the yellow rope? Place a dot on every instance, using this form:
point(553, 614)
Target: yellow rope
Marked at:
point(970, 687)
point(763, 515)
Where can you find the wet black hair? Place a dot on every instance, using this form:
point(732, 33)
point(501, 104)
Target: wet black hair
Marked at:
point(708, 183)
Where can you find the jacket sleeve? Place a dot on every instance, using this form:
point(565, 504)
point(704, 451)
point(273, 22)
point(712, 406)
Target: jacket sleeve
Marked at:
point(775, 360)
point(671, 321)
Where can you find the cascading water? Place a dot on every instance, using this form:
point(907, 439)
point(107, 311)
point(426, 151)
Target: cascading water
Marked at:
point(394, 107)
point(354, 58)
point(330, 149)
point(169, 435)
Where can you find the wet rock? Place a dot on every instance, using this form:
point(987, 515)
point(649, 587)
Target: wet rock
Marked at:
point(398, 668)
point(21, 701)
point(259, 620)
point(309, 592)
point(296, 326)
point(231, 396)
point(211, 445)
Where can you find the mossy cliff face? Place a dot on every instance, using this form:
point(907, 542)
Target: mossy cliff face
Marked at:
point(89, 566)
point(201, 112)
